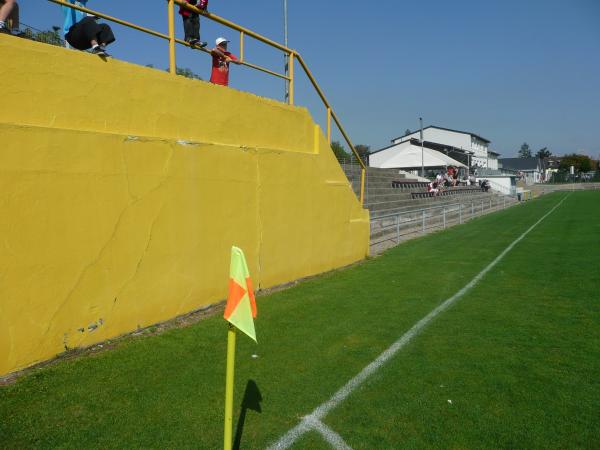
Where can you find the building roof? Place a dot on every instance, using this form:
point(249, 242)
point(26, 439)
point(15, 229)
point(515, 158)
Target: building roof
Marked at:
point(409, 156)
point(429, 144)
point(520, 163)
point(445, 129)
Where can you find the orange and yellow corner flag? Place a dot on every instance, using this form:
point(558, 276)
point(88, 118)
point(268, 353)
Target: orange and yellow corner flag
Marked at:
point(241, 304)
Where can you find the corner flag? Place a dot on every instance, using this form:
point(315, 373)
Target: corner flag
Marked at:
point(241, 304)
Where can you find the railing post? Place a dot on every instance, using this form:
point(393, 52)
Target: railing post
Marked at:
point(460, 213)
point(482, 207)
point(291, 65)
point(472, 209)
point(444, 217)
point(362, 186)
point(241, 46)
point(171, 14)
point(423, 224)
point(504, 203)
point(398, 228)
point(329, 125)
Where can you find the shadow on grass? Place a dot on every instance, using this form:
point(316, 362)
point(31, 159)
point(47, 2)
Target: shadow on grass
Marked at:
point(251, 401)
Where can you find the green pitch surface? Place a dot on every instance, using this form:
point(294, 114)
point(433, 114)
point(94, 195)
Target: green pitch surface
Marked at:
point(513, 363)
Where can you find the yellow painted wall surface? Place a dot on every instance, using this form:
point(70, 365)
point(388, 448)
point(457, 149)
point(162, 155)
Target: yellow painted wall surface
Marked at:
point(118, 211)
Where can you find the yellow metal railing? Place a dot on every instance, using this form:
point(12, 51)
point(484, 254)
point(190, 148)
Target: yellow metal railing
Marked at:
point(292, 54)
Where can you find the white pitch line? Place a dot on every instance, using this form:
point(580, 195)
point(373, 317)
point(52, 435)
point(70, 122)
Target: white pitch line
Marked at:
point(321, 411)
point(334, 439)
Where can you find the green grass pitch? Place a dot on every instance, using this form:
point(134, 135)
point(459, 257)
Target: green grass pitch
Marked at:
point(515, 363)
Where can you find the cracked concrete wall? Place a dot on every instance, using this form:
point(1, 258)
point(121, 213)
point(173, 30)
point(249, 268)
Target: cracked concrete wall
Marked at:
point(112, 223)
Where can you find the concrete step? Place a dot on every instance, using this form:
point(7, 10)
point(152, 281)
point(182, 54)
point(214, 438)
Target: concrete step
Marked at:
point(475, 202)
point(389, 197)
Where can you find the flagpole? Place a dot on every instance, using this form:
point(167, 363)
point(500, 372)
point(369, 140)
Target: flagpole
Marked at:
point(227, 444)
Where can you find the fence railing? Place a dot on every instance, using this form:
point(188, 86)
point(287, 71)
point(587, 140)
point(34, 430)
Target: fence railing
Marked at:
point(292, 55)
point(393, 227)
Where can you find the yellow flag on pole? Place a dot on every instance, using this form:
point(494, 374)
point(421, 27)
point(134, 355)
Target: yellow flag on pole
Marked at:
point(240, 310)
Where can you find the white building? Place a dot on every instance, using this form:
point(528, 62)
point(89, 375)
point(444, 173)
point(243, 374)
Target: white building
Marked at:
point(472, 143)
point(409, 156)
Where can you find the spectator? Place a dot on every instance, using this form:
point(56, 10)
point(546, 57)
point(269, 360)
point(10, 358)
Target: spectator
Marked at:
point(191, 22)
point(432, 188)
point(72, 16)
point(88, 33)
point(220, 62)
point(9, 15)
point(445, 180)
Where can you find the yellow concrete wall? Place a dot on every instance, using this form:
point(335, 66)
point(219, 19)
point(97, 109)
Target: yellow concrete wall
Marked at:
point(122, 189)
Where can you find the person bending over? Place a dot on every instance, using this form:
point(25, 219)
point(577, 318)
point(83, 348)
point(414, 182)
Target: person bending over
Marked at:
point(89, 34)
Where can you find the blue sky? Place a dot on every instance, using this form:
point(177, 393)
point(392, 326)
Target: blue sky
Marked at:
point(511, 71)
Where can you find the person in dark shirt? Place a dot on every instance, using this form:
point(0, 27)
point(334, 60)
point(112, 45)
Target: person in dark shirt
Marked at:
point(88, 33)
point(191, 22)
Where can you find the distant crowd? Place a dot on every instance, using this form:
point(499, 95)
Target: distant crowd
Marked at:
point(84, 32)
point(451, 178)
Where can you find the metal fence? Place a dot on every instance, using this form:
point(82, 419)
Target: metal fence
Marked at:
point(396, 227)
point(48, 37)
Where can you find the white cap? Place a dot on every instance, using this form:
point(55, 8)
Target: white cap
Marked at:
point(220, 40)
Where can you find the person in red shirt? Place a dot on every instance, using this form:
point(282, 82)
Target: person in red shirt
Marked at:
point(220, 62)
point(191, 22)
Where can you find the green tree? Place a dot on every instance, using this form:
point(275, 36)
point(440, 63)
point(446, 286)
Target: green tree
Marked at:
point(182, 71)
point(582, 163)
point(188, 73)
point(339, 151)
point(525, 151)
point(48, 37)
point(543, 153)
point(363, 151)
point(407, 132)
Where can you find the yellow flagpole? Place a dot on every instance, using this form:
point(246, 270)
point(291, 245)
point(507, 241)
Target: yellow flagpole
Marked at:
point(227, 444)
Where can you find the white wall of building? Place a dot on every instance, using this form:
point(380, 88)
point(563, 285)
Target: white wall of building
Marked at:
point(493, 162)
point(453, 138)
point(456, 139)
point(504, 184)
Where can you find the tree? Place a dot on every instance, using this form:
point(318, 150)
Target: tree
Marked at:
point(338, 150)
point(188, 73)
point(363, 151)
point(182, 71)
point(525, 151)
point(48, 37)
point(407, 132)
point(543, 153)
point(582, 163)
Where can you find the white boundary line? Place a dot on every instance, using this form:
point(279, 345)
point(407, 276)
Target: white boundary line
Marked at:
point(334, 439)
point(313, 420)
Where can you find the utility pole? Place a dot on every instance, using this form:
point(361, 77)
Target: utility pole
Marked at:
point(422, 151)
point(286, 56)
